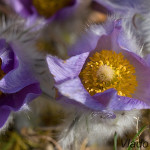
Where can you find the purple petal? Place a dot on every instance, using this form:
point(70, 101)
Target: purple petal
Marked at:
point(17, 79)
point(97, 39)
point(13, 102)
point(4, 114)
point(117, 39)
point(22, 7)
point(113, 102)
point(74, 90)
point(142, 75)
point(126, 103)
point(85, 44)
point(105, 97)
point(16, 100)
point(147, 59)
point(66, 11)
point(7, 56)
point(110, 41)
point(65, 70)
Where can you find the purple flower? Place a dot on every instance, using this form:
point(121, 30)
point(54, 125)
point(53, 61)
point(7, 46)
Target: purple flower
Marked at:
point(17, 85)
point(104, 73)
point(123, 6)
point(38, 8)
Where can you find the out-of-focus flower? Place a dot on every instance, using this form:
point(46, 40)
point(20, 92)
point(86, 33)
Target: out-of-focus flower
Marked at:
point(45, 9)
point(18, 85)
point(64, 19)
point(61, 32)
point(123, 6)
point(103, 72)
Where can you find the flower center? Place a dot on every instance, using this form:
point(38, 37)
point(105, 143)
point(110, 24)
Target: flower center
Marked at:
point(105, 73)
point(47, 8)
point(107, 69)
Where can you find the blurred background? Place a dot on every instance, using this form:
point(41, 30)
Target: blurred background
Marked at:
point(39, 127)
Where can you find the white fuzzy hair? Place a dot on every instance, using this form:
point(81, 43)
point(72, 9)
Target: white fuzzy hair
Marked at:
point(7, 124)
point(96, 129)
point(143, 26)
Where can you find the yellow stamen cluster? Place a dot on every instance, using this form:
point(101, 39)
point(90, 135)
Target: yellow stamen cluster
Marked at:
point(47, 8)
point(107, 69)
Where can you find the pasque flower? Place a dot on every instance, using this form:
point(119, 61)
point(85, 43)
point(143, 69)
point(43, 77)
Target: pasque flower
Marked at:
point(18, 85)
point(104, 72)
point(40, 8)
point(123, 6)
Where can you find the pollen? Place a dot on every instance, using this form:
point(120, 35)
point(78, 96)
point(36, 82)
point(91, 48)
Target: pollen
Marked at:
point(47, 8)
point(105, 73)
point(108, 69)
